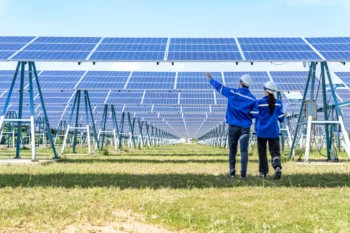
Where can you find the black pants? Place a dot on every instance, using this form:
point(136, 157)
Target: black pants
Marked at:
point(274, 147)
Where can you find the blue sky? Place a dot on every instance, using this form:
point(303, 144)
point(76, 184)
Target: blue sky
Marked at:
point(177, 18)
point(183, 18)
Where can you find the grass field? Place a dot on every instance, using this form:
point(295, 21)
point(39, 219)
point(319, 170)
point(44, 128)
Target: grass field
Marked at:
point(176, 188)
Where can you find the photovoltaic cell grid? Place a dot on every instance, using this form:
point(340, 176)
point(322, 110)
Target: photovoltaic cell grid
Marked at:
point(277, 49)
point(59, 80)
point(344, 94)
point(197, 97)
point(161, 97)
point(152, 80)
point(180, 49)
point(9, 45)
point(104, 80)
point(58, 49)
point(130, 49)
point(196, 80)
point(344, 76)
point(125, 97)
point(290, 80)
point(200, 49)
point(332, 48)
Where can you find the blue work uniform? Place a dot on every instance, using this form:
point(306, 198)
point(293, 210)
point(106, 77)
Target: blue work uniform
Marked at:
point(266, 125)
point(239, 106)
point(239, 117)
point(267, 131)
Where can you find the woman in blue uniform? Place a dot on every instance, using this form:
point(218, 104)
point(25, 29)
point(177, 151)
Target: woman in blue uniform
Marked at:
point(267, 130)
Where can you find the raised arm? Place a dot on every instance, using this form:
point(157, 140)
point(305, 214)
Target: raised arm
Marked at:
point(225, 91)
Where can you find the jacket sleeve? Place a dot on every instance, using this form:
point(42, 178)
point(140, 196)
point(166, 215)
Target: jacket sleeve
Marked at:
point(225, 91)
point(280, 113)
point(254, 112)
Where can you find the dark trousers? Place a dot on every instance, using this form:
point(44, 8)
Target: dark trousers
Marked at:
point(274, 147)
point(237, 135)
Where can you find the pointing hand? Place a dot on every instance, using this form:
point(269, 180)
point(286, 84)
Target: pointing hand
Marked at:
point(209, 75)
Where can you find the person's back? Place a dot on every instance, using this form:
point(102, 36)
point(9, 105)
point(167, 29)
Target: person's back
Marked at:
point(269, 113)
point(239, 117)
point(266, 124)
point(240, 102)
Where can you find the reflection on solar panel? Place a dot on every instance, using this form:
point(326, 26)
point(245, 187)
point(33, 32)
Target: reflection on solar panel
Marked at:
point(130, 49)
point(332, 48)
point(277, 49)
point(199, 49)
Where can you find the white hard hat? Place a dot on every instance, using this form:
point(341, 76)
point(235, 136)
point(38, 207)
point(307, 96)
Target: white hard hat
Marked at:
point(270, 87)
point(246, 80)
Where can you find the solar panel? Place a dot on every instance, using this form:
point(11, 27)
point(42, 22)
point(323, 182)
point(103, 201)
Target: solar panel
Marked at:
point(59, 80)
point(112, 49)
point(152, 80)
point(9, 45)
point(58, 49)
point(167, 108)
point(200, 49)
point(197, 97)
point(165, 97)
point(277, 49)
point(125, 97)
point(332, 48)
point(196, 80)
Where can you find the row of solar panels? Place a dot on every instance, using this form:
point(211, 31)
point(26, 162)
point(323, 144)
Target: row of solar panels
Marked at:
point(174, 49)
point(137, 80)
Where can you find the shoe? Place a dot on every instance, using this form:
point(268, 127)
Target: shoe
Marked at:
point(243, 176)
point(278, 173)
point(262, 176)
point(231, 174)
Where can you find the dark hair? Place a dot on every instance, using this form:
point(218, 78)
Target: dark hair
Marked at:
point(272, 102)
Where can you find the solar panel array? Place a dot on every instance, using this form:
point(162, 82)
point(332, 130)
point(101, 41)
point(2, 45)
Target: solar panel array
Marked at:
point(182, 103)
point(111, 49)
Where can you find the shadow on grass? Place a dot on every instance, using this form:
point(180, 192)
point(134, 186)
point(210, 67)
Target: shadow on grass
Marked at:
point(173, 181)
point(115, 160)
point(190, 154)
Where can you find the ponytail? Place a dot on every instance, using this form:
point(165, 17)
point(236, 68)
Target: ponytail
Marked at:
point(272, 102)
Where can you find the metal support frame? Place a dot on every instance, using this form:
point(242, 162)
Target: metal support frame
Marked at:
point(88, 113)
point(21, 66)
point(326, 122)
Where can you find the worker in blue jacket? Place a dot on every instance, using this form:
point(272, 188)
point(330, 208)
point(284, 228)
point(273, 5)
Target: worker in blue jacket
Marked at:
point(239, 117)
point(270, 112)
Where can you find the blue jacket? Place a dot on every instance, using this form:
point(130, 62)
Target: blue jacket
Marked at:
point(266, 125)
point(240, 104)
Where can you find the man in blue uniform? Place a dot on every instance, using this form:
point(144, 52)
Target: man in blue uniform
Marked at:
point(239, 117)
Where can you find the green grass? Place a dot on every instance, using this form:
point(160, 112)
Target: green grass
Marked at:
point(181, 187)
